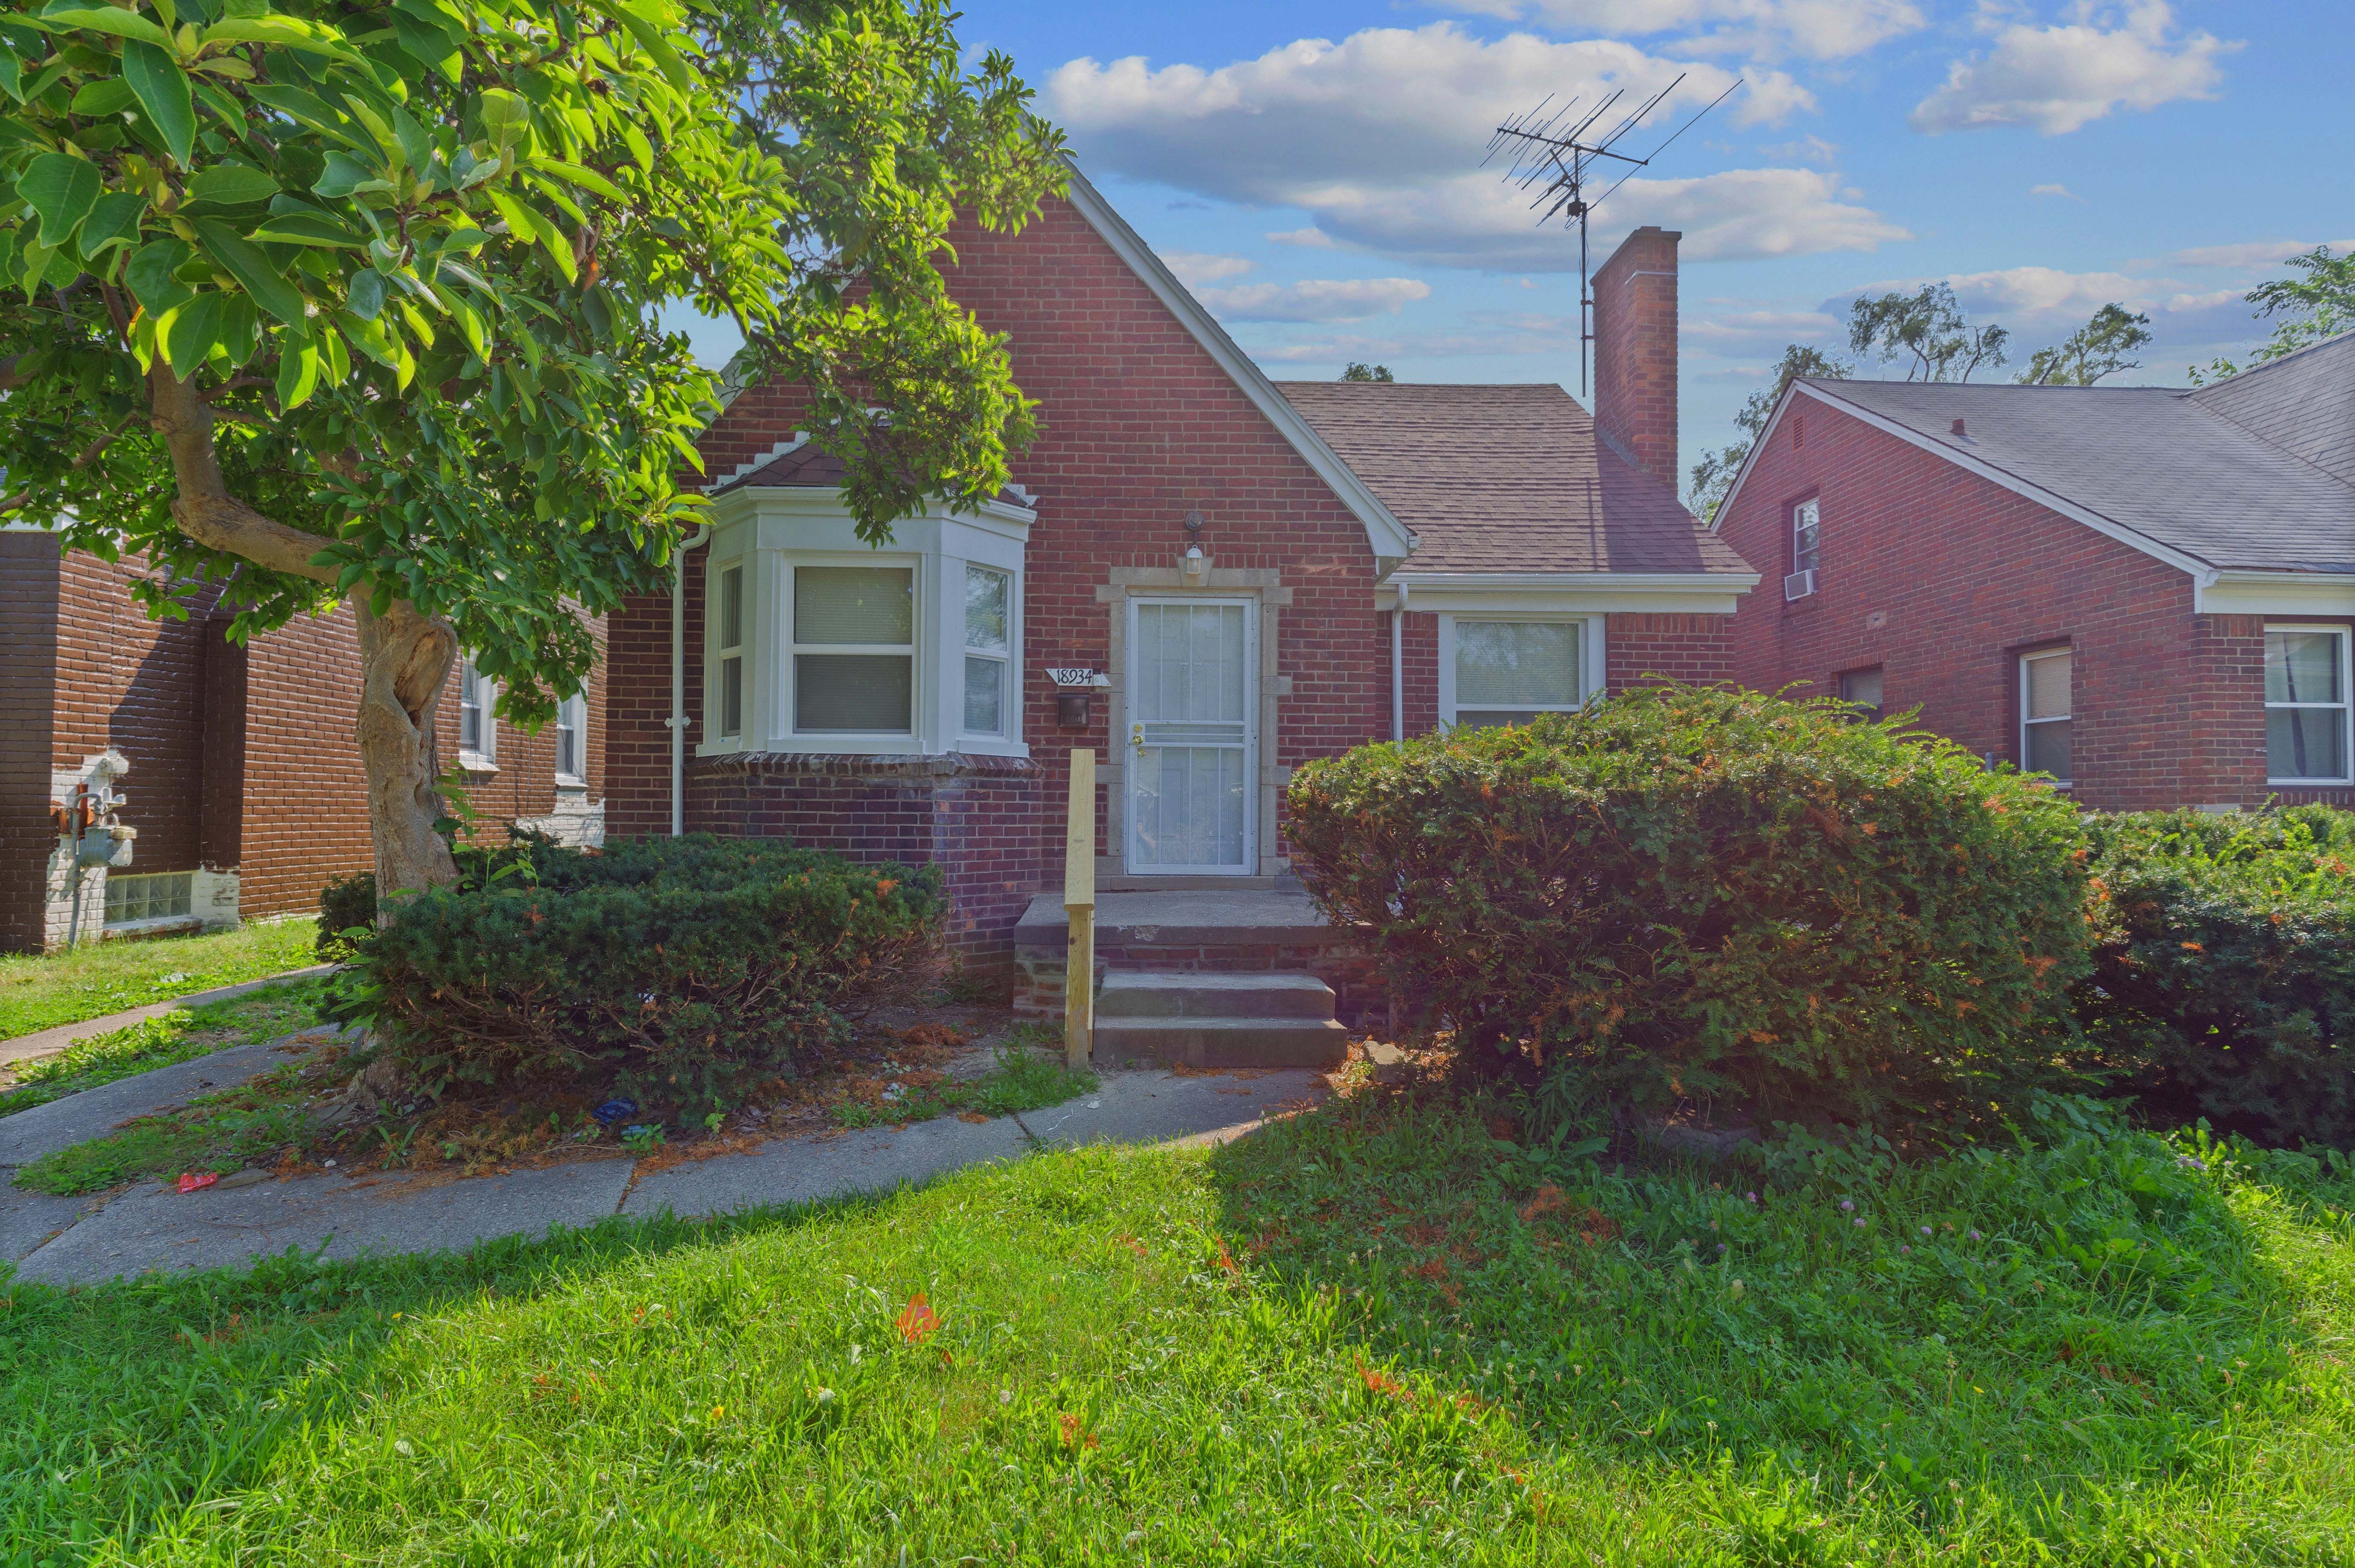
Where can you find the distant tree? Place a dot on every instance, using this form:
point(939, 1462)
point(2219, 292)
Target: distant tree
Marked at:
point(1713, 477)
point(2319, 305)
point(1926, 330)
point(2096, 349)
point(1360, 371)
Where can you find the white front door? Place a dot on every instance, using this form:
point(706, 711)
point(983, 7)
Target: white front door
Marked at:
point(1193, 736)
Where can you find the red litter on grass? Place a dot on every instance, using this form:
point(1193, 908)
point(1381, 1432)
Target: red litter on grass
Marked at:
point(196, 1180)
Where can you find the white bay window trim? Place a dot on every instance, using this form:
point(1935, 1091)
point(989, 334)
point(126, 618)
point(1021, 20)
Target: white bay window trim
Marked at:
point(1588, 652)
point(770, 536)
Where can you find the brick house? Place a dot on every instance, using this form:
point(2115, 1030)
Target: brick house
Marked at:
point(2147, 592)
point(239, 764)
point(1205, 577)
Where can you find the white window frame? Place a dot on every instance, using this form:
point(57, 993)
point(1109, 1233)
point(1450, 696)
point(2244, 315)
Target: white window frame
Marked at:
point(572, 715)
point(738, 653)
point(1591, 668)
point(1811, 559)
point(1010, 712)
point(483, 756)
point(2069, 652)
point(787, 724)
point(2344, 707)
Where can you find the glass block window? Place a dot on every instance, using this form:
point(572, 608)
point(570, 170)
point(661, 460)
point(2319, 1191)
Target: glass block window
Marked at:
point(158, 896)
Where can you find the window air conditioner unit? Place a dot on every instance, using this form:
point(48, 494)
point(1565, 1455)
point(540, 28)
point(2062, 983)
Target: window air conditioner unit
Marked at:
point(1799, 585)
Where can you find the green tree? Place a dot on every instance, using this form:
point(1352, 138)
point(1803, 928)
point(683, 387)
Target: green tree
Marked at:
point(325, 299)
point(1926, 332)
point(2318, 305)
point(1713, 477)
point(2096, 349)
point(1360, 371)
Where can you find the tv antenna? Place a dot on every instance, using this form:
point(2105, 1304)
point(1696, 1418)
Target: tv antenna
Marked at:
point(1555, 152)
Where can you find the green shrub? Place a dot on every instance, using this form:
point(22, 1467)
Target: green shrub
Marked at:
point(346, 904)
point(693, 967)
point(1681, 893)
point(2224, 983)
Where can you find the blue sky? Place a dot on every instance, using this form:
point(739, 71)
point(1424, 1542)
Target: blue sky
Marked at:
point(1313, 170)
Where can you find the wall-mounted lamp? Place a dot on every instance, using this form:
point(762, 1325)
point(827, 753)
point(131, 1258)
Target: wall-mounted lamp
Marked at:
point(1195, 562)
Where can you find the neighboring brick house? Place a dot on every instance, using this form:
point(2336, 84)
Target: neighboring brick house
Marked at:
point(2148, 593)
point(1204, 577)
point(238, 763)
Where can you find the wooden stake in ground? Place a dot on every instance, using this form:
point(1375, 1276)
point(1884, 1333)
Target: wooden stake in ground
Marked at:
point(1079, 903)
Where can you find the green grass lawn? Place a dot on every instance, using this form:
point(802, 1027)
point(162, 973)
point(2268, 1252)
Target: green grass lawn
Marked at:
point(179, 1036)
point(1372, 1334)
point(40, 991)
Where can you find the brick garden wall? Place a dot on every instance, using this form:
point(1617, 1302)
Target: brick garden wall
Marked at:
point(1942, 580)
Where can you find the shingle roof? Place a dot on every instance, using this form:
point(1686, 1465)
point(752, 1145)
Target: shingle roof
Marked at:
point(2252, 473)
point(808, 467)
point(1506, 479)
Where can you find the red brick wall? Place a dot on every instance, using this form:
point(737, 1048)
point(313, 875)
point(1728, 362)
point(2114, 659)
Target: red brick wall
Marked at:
point(29, 651)
point(524, 781)
point(1636, 349)
point(1942, 578)
point(304, 819)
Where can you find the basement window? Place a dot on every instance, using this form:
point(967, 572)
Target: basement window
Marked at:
point(1863, 687)
point(164, 895)
point(2306, 705)
point(1507, 671)
point(2045, 714)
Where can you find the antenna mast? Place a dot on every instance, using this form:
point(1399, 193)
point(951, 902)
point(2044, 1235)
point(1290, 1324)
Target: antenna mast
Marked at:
point(1555, 154)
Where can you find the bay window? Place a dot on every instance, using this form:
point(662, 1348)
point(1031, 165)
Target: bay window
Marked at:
point(1508, 669)
point(987, 648)
point(2306, 705)
point(731, 639)
point(854, 650)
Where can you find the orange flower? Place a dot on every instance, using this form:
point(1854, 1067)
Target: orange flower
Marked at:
point(917, 1322)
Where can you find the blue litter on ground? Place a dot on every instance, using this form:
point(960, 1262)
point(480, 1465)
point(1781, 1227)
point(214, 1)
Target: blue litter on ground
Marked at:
point(613, 1111)
point(631, 1132)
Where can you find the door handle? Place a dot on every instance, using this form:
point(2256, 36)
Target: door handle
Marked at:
point(1136, 738)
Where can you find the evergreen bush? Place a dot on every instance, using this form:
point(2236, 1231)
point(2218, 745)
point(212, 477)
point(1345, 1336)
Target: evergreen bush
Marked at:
point(1682, 894)
point(690, 968)
point(2224, 983)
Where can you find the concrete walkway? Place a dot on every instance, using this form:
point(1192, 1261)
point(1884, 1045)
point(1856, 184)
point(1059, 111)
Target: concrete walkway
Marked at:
point(49, 1041)
point(77, 1241)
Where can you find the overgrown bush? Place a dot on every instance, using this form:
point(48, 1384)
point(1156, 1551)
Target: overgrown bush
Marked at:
point(346, 904)
point(1682, 894)
point(2224, 983)
point(691, 967)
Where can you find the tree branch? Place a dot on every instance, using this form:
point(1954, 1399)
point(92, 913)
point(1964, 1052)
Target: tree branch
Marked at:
point(204, 509)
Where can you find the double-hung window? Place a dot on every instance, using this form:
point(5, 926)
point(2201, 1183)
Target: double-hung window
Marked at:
point(1505, 671)
point(2306, 705)
point(988, 648)
point(1806, 535)
point(854, 650)
point(2044, 685)
point(477, 724)
point(729, 638)
point(571, 739)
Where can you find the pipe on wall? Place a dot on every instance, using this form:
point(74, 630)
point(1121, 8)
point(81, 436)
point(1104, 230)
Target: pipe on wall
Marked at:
point(676, 723)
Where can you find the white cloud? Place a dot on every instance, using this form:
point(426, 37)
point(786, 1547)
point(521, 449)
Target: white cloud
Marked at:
point(1312, 238)
point(2250, 253)
point(2059, 77)
point(1822, 29)
point(2060, 190)
point(1315, 299)
point(1196, 268)
point(1807, 149)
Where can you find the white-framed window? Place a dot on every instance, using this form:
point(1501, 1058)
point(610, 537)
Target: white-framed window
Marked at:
point(2307, 683)
point(853, 651)
point(1863, 688)
point(989, 611)
point(728, 637)
point(1806, 535)
point(1507, 668)
point(162, 895)
point(478, 725)
point(572, 740)
point(2044, 709)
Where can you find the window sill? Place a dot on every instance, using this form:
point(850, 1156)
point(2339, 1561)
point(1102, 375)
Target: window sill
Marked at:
point(475, 762)
point(569, 781)
point(2309, 783)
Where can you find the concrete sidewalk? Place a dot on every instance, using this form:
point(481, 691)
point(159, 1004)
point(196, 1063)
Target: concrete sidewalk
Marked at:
point(49, 1041)
point(79, 1241)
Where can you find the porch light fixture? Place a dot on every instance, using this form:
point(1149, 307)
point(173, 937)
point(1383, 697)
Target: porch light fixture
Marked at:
point(1196, 564)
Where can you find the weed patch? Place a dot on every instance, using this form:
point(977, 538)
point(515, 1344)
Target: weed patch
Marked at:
point(176, 1037)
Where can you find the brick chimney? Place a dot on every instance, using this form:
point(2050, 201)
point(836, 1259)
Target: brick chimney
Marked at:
point(1636, 351)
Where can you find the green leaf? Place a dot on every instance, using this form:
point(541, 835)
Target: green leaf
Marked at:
point(336, 360)
point(188, 331)
point(12, 70)
point(642, 150)
point(346, 175)
point(586, 178)
point(506, 116)
point(367, 295)
point(308, 228)
point(245, 261)
point(97, 98)
point(428, 45)
point(650, 40)
point(304, 108)
point(114, 220)
point(298, 375)
point(527, 223)
point(104, 19)
point(62, 189)
point(162, 87)
point(149, 275)
point(289, 32)
point(232, 185)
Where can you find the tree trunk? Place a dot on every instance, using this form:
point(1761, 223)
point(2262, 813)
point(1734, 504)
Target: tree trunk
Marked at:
point(405, 660)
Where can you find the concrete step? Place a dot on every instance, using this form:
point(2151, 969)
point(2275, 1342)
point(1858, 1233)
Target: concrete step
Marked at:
point(1178, 994)
point(1220, 1042)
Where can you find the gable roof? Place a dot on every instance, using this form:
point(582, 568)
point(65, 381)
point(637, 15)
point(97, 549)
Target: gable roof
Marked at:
point(1385, 533)
point(1508, 479)
point(2239, 477)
